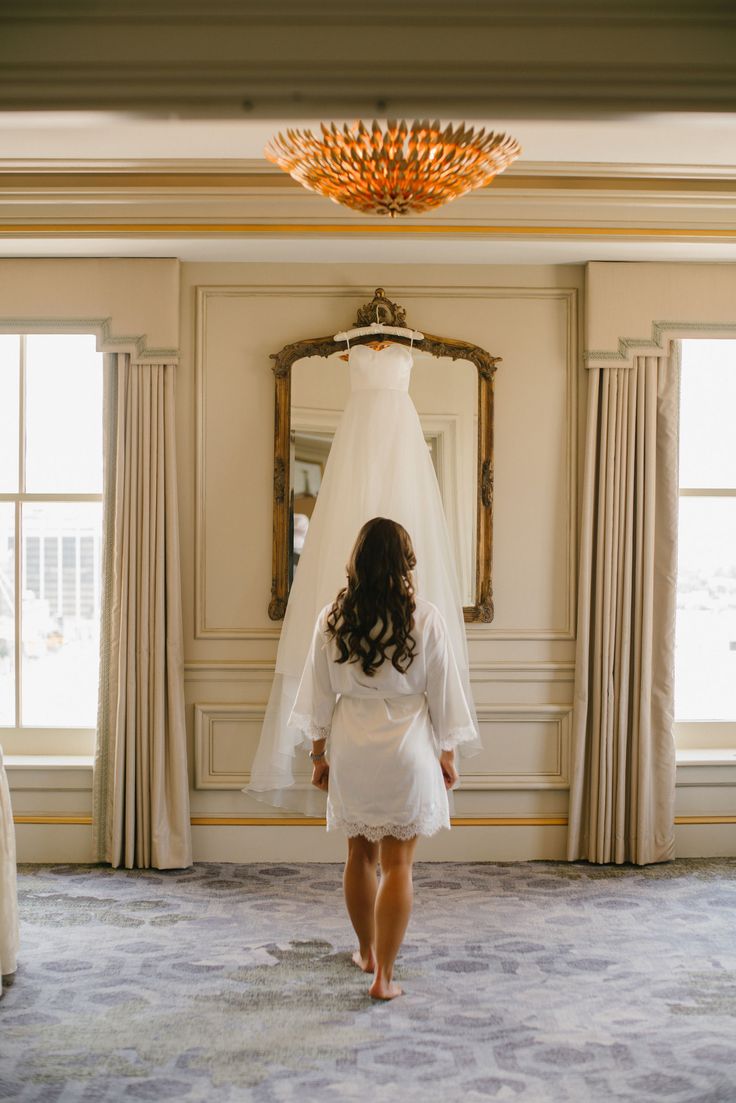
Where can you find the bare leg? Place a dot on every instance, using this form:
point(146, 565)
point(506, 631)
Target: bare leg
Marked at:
point(393, 908)
point(360, 884)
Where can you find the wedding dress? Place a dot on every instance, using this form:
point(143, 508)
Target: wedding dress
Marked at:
point(379, 466)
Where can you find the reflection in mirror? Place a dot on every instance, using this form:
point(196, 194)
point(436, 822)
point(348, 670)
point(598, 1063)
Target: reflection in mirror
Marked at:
point(445, 394)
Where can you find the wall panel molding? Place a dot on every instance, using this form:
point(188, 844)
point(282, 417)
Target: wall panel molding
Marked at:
point(558, 717)
point(208, 773)
point(490, 670)
point(406, 293)
point(212, 771)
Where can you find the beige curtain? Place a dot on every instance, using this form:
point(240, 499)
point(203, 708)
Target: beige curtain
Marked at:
point(622, 783)
point(9, 934)
point(141, 787)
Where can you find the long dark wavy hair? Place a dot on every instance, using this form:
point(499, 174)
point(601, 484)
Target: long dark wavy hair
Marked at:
point(374, 613)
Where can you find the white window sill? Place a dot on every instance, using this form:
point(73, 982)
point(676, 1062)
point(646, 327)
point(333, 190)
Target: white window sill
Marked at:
point(705, 756)
point(48, 762)
point(690, 756)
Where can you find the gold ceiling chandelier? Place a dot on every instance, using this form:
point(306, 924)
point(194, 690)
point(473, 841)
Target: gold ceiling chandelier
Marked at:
point(392, 169)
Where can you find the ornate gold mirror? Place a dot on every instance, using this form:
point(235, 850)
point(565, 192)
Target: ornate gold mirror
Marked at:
point(452, 389)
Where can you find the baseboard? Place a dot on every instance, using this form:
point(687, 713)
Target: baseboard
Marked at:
point(70, 843)
point(313, 844)
point(69, 840)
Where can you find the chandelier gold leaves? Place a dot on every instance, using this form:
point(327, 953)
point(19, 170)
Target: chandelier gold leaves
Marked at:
point(392, 169)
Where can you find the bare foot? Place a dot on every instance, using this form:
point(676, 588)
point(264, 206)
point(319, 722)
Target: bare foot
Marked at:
point(384, 989)
point(367, 964)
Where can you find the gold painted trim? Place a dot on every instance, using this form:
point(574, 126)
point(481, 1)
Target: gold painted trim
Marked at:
point(165, 229)
point(86, 820)
point(704, 819)
point(258, 821)
point(309, 821)
point(315, 821)
point(161, 177)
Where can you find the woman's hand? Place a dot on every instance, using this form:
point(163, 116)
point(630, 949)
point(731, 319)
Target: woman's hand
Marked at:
point(449, 773)
point(321, 774)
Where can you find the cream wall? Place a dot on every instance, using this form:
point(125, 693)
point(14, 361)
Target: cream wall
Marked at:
point(233, 316)
point(227, 318)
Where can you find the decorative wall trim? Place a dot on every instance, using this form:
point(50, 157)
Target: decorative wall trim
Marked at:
point(21, 819)
point(305, 821)
point(506, 670)
point(201, 628)
point(207, 715)
point(559, 716)
point(107, 341)
point(314, 821)
point(569, 629)
point(499, 670)
point(568, 296)
point(385, 229)
point(236, 670)
point(629, 347)
point(182, 172)
point(704, 819)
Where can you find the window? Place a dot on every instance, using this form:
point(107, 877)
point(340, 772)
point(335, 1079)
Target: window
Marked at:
point(50, 541)
point(705, 662)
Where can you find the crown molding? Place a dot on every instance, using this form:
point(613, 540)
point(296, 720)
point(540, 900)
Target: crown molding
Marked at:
point(245, 168)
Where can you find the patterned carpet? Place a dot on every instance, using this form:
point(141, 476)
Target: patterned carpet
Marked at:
point(527, 982)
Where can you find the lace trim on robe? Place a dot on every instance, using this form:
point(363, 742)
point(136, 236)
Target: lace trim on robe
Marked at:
point(307, 726)
point(458, 735)
point(428, 824)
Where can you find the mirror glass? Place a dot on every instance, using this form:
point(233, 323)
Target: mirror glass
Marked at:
point(445, 393)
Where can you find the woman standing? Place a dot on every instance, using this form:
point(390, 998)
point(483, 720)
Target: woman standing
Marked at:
point(382, 702)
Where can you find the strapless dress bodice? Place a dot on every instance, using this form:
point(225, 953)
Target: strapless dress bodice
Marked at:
point(386, 369)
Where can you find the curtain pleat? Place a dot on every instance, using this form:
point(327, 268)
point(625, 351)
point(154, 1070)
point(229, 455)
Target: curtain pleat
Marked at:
point(9, 930)
point(622, 776)
point(141, 788)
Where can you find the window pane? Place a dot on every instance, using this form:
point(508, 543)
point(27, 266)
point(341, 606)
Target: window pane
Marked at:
point(705, 656)
point(63, 415)
point(60, 614)
point(707, 404)
point(9, 377)
point(7, 615)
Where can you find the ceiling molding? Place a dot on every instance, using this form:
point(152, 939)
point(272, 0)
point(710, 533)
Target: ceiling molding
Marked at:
point(256, 172)
point(100, 206)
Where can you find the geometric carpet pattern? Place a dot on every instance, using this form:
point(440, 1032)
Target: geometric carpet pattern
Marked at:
point(532, 982)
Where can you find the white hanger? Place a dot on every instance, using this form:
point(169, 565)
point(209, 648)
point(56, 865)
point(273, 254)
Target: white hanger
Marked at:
point(379, 327)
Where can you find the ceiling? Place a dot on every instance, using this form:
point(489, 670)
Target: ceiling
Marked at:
point(695, 141)
point(601, 177)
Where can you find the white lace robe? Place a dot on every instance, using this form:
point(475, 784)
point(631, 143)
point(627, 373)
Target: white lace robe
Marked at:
point(384, 732)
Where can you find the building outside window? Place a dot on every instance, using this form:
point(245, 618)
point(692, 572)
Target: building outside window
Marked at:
point(50, 540)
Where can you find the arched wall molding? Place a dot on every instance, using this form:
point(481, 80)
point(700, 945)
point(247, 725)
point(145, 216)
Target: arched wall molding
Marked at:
point(130, 305)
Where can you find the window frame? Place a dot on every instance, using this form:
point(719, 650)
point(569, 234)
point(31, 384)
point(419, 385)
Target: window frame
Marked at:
point(19, 739)
point(701, 735)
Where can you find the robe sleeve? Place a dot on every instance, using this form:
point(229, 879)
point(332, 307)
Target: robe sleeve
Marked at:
point(451, 717)
point(315, 698)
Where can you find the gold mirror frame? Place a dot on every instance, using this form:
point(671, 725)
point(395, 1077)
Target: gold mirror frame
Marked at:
point(389, 313)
